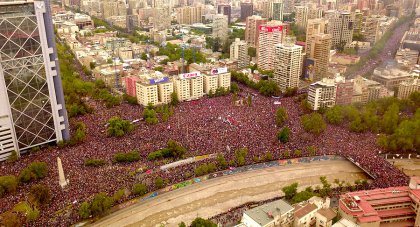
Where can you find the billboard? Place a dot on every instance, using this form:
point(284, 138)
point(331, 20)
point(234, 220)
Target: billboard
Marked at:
point(189, 75)
point(266, 28)
point(159, 80)
point(309, 69)
point(219, 71)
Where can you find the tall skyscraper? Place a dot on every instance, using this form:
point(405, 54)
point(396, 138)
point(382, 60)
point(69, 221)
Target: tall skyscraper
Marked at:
point(32, 110)
point(320, 52)
point(271, 34)
point(253, 24)
point(239, 52)
point(304, 13)
point(273, 9)
point(314, 26)
point(288, 64)
point(189, 14)
point(247, 10)
point(340, 26)
point(220, 27)
point(225, 9)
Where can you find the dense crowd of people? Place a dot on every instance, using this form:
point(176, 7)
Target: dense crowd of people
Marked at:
point(209, 125)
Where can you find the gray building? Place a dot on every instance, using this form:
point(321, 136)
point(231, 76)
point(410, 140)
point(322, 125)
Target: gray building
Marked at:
point(32, 110)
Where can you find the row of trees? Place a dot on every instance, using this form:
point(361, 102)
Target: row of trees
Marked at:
point(265, 87)
point(118, 127)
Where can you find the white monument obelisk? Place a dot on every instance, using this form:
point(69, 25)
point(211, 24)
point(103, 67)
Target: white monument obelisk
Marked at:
point(61, 178)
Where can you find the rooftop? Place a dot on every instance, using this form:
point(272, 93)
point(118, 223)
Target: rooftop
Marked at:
point(265, 214)
point(328, 213)
point(305, 210)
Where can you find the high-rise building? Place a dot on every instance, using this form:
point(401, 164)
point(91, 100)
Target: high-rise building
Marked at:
point(319, 51)
point(322, 94)
point(32, 109)
point(247, 10)
point(273, 9)
point(288, 64)
point(314, 26)
point(270, 34)
point(225, 9)
point(113, 8)
point(340, 26)
point(253, 24)
point(189, 14)
point(407, 87)
point(220, 27)
point(344, 92)
point(239, 52)
point(289, 6)
point(304, 13)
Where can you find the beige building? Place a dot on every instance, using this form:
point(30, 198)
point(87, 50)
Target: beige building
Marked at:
point(210, 83)
point(390, 76)
point(239, 53)
point(273, 9)
point(365, 90)
point(322, 94)
point(189, 86)
point(324, 217)
point(340, 26)
point(407, 87)
point(113, 8)
point(220, 27)
point(320, 45)
point(182, 87)
point(370, 29)
point(314, 27)
point(252, 29)
point(288, 64)
point(304, 13)
point(196, 87)
point(407, 57)
point(125, 53)
point(270, 35)
point(189, 14)
point(223, 80)
point(154, 88)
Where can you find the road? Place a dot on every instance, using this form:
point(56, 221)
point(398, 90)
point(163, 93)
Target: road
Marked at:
point(218, 195)
point(391, 46)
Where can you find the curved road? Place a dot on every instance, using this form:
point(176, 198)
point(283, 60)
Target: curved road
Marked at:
point(218, 195)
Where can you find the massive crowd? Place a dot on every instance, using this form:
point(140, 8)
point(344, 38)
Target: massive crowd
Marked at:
point(210, 125)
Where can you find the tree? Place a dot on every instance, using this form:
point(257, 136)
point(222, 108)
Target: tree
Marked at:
point(283, 135)
point(10, 219)
point(313, 123)
point(390, 119)
point(131, 156)
point(252, 52)
point(182, 224)
point(268, 88)
point(326, 186)
point(174, 99)
point(84, 210)
point(94, 162)
point(306, 107)
point(13, 157)
point(149, 116)
point(281, 116)
point(290, 191)
point(221, 161)
point(34, 171)
point(139, 189)
point(234, 88)
point(303, 196)
point(249, 100)
point(80, 133)
point(290, 91)
point(8, 184)
point(118, 127)
point(334, 115)
point(40, 194)
point(159, 183)
point(200, 222)
point(101, 203)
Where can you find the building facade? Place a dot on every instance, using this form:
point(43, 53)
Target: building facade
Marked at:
point(247, 10)
point(322, 94)
point(340, 26)
point(220, 27)
point(239, 53)
point(407, 87)
point(320, 52)
point(32, 109)
point(189, 14)
point(270, 34)
point(253, 24)
point(395, 206)
point(288, 64)
point(225, 9)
